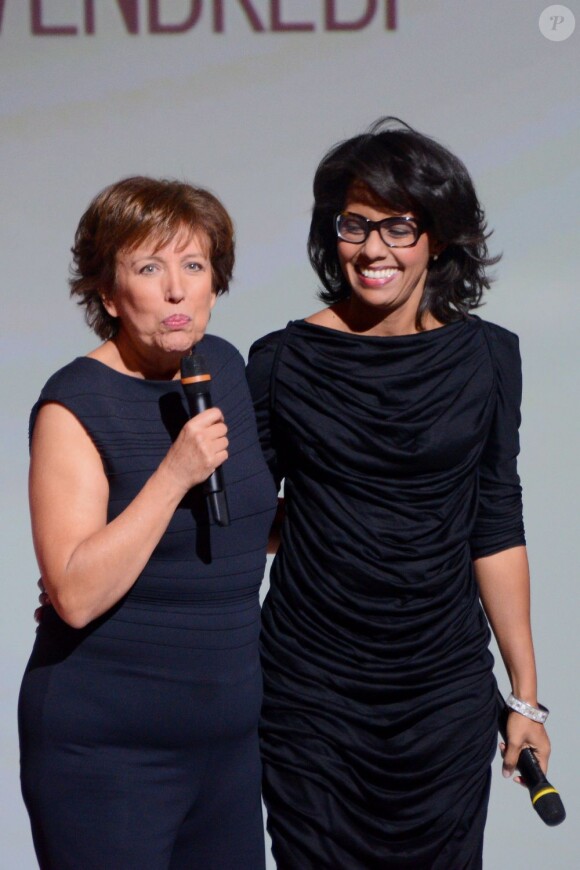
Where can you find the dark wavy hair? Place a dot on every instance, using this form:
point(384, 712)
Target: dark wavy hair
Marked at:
point(408, 172)
point(126, 214)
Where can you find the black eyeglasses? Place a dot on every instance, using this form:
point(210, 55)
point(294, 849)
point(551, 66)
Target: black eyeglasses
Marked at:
point(396, 232)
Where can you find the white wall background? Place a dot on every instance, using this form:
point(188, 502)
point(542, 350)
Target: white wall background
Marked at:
point(249, 114)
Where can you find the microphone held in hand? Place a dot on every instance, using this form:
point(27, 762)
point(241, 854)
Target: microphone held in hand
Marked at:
point(196, 381)
point(545, 799)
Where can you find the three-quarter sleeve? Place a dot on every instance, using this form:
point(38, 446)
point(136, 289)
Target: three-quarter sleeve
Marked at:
point(499, 519)
point(259, 371)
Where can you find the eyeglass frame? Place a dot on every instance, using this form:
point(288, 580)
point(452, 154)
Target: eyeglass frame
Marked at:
point(376, 225)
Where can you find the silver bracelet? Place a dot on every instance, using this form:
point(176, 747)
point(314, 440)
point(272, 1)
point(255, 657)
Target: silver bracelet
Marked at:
point(536, 714)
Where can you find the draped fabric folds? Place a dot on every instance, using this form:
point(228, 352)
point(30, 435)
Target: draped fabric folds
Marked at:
point(380, 715)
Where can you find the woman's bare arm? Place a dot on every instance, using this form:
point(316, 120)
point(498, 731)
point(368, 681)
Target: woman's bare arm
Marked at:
point(276, 530)
point(87, 564)
point(504, 588)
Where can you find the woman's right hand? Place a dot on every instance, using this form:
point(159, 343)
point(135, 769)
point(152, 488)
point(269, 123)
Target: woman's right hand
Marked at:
point(200, 448)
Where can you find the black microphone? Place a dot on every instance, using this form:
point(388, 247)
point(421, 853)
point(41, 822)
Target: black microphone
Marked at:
point(196, 380)
point(545, 799)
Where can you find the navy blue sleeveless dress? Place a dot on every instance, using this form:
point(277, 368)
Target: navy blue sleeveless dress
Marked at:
point(139, 733)
point(380, 714)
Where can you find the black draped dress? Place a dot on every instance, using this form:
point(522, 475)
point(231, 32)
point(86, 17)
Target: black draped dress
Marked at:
point(380, 715)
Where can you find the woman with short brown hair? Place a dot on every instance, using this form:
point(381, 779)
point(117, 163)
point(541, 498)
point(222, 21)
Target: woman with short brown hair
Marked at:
point(139, 706)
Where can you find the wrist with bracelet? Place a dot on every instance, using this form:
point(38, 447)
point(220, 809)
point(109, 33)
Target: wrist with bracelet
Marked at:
point(536, 714)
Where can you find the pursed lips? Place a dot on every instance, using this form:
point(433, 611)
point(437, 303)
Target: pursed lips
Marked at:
point(177, 320)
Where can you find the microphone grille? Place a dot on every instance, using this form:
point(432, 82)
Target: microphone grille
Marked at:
point(193, 366)
point(550, 808)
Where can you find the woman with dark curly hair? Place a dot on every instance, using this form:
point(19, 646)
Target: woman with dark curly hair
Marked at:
point(392, 415)
point(139, 706)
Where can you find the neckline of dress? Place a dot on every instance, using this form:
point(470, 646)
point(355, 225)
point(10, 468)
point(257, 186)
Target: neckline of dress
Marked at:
point(438, 332)
point(132, 378)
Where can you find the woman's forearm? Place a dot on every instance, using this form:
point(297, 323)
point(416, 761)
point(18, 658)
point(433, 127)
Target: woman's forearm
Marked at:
point(104, 566)
point(276, 530)
point(504, 588)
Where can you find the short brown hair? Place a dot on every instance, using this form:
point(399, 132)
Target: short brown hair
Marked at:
point(123, 216)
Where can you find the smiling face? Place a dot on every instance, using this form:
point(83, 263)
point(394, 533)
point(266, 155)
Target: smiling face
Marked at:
point(385, 282)
point(163, 299)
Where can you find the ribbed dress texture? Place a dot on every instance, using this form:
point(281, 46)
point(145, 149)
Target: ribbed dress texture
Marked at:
point(139, 733)
point(380, 714)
